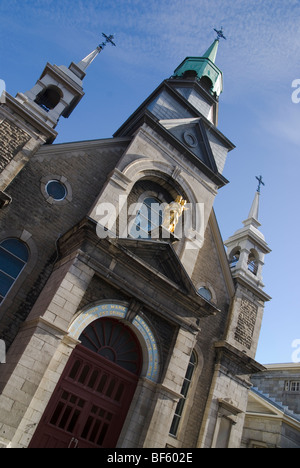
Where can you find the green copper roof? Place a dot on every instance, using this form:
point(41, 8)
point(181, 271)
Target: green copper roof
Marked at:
point(204, 66)
point(211, 52)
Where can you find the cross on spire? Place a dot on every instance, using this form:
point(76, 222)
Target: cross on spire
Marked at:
point(86, 62)
point(219, 34)
point(108, 40)
point(260, 182)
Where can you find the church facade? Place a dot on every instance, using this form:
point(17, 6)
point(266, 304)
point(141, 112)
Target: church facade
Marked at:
point(120, 331)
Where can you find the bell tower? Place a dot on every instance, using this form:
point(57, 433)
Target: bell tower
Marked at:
point(29, 120)
point(246, 251)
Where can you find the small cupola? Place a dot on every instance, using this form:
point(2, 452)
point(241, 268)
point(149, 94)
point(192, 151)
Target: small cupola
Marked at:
point(204, 69)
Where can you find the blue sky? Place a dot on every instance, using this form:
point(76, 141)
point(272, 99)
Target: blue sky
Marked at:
point(259, 60)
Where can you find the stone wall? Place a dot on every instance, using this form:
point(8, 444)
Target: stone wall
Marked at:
point(85, 171)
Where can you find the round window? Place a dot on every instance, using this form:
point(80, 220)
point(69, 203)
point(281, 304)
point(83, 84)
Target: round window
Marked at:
point(190, 139)
point(56, 190)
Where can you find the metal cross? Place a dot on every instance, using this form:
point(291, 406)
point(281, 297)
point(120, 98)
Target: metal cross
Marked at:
point(220, 33)
point(108, 39)
point(260, 182)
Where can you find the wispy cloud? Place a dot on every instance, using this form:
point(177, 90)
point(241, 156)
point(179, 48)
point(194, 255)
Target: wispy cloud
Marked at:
point(263, 37)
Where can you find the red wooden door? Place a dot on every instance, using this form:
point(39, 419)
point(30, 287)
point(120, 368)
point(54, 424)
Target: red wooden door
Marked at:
point(90, 403)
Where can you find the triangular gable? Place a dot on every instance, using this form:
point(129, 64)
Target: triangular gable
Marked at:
point(257, 404)
point(161, 257)
point(192, 133)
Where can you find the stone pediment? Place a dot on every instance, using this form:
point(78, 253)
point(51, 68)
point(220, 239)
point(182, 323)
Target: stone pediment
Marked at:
point(159, 257)
point(192, 133)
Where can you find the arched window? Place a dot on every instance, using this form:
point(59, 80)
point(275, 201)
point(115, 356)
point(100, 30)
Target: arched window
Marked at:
point(149, 217)
point(49, 97)
point(206, 83)
point(14, 255)
point(234, 257)
point(253, 261)
point(114, 341)
point(184, 392)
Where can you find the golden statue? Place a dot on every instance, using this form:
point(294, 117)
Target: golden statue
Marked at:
point(172, 213)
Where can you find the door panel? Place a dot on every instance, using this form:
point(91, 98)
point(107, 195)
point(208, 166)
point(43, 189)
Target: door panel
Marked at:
point(89, 405)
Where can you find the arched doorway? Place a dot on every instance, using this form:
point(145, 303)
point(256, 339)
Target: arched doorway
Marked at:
point(90, 403)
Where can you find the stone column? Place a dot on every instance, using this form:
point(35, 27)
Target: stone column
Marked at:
point(168, 393)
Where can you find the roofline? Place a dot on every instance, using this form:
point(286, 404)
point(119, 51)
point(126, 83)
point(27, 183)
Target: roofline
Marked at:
point(283, 366)
point(287, 416)
point(84, 143)
point(213, 222)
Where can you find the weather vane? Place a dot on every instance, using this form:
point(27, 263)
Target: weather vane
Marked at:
point(219, 34)
point(108, 40)
point(260, 182)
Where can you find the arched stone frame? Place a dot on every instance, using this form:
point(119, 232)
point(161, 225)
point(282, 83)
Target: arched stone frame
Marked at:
point(25, 237)
point(122, 182)
point(233, 253)
point(141, 169)
point(51, 92)
point(144, 168)
point(142, 330)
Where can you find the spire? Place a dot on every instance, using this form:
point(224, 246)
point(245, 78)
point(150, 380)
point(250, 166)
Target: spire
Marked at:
point(79, 69)
point(254, 210)
point(253, 213)
point(247, 247)
point(86, 62)
point(211, 52)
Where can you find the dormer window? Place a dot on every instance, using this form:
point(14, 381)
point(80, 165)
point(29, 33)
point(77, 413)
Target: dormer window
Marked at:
point(49, 97)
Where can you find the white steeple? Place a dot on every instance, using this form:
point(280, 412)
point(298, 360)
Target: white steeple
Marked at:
point(59, 89)
point(247, 247)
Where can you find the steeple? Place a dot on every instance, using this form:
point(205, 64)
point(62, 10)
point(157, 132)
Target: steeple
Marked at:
point(204, 69)
point(31, 117)
point(59, 89)
point(246, 251)
point(247, 247)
